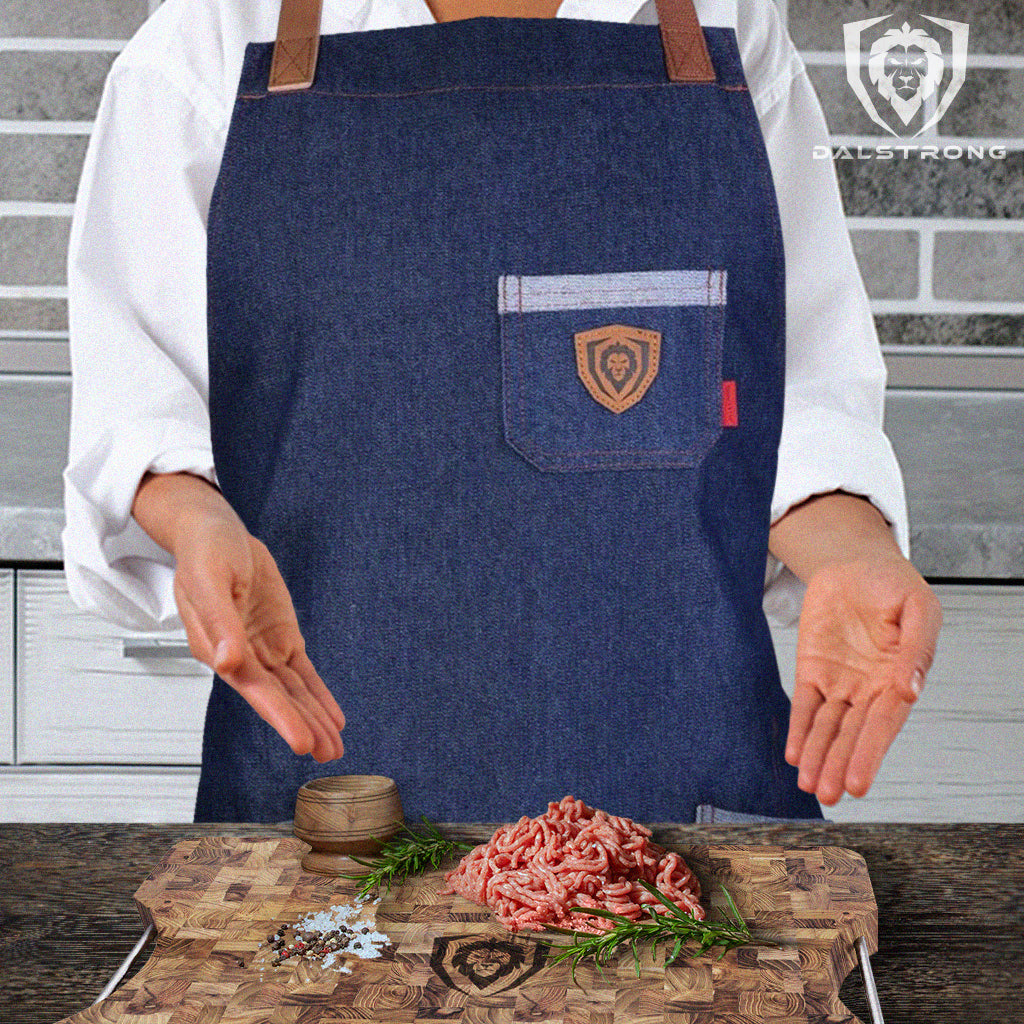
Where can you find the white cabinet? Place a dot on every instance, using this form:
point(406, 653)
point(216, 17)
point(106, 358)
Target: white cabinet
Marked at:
point(98, 793)
point(102, 724)
point(6, 666)
point(90, 692)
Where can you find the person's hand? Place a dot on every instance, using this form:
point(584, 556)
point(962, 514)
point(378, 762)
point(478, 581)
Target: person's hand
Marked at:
point(866, 640)
point(240, 621)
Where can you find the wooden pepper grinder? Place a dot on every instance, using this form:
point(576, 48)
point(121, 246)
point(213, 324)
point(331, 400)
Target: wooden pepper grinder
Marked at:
point(340, 815)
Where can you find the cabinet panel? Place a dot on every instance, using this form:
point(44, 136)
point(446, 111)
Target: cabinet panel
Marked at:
point(91, 692)
point(958, 756)
point(6, 666)
point(98, 794)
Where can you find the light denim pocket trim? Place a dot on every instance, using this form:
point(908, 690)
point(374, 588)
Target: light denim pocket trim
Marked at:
point(539, 294)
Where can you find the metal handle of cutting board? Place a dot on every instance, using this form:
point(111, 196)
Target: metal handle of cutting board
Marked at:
point(862, 950)
point(128, 961)
point(869, 981)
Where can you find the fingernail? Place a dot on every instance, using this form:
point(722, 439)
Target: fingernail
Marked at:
point(917, 682)
point(221, 652)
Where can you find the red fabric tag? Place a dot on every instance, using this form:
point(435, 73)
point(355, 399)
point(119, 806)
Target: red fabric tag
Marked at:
point(730, 415)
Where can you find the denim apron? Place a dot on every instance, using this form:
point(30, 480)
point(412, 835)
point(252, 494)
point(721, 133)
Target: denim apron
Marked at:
point(496, 350)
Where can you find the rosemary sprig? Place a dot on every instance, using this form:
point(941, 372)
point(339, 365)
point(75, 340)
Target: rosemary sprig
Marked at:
point(670, 925)
point(407, 855)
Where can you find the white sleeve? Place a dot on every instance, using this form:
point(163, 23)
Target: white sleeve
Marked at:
point(832, 437)
point(136, 274)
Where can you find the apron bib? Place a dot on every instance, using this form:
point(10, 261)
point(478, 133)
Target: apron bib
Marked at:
point(496, 350)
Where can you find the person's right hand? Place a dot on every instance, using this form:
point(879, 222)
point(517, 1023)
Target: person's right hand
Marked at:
point(240, 621)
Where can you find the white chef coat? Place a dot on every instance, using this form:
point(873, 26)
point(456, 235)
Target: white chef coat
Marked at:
point(137, 286)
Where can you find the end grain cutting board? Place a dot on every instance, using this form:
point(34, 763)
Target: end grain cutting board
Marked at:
point(214, 900)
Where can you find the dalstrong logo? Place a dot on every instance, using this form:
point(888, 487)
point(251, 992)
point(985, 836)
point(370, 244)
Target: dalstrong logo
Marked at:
point(485, 964)
point(906, 67)
point(617, 363)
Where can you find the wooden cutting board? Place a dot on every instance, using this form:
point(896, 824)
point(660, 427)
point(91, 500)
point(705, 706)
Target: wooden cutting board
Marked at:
point(215, 900)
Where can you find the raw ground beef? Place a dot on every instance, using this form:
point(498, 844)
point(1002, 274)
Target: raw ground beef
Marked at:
point(531, 872)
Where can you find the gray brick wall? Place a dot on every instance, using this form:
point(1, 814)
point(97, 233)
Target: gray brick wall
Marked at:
point(939, 240)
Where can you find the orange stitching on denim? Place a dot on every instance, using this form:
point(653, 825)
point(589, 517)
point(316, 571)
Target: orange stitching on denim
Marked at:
point(490, 88)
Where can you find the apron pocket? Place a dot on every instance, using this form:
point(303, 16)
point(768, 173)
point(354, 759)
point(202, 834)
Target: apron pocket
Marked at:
point(612, 371)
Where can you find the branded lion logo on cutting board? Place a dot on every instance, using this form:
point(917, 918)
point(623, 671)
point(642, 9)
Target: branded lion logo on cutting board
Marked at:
point(484, 964)
point(617, 363)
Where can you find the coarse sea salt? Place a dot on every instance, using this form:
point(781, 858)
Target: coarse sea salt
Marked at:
point(366, 946)
point(331, 918)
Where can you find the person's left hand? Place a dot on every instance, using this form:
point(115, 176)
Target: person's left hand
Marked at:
point(866, 640)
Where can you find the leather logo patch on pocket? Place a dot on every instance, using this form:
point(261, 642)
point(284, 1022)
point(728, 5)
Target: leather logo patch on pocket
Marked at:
point(617, 363)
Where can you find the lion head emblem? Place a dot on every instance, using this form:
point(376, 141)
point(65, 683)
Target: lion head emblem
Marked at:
point(618, 364)
point(905, 65)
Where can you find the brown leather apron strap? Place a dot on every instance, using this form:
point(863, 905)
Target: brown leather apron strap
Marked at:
point(686, 51)
point(298, 41)
point(296, 46)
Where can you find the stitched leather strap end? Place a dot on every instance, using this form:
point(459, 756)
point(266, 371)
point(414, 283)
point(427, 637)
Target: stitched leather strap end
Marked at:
point(686, 50)
point(296, 46)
